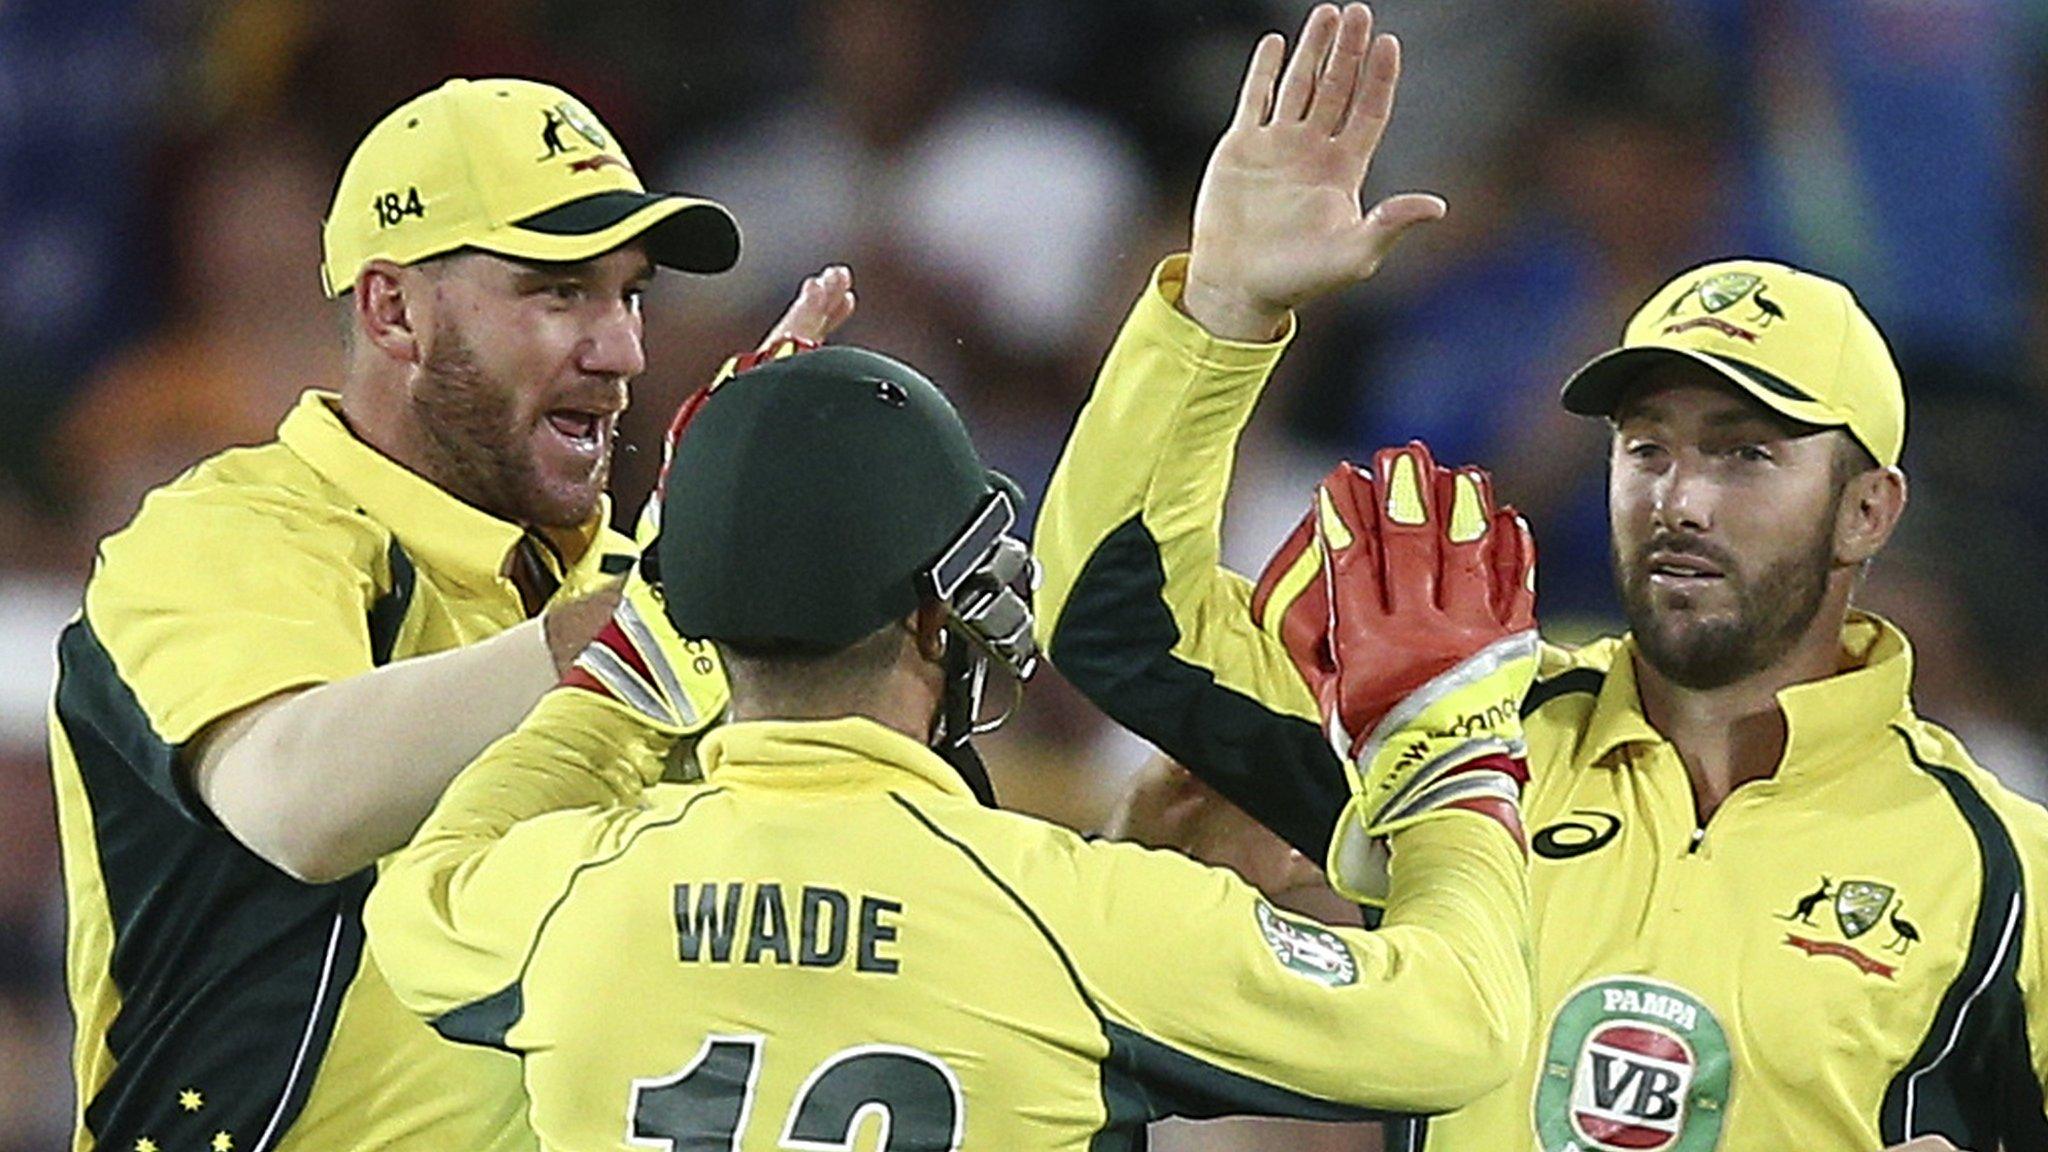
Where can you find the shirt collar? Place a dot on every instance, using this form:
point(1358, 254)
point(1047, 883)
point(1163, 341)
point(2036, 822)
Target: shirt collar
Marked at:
point(439, 531)
point(852, 752)
point(1844, 712)
point(1824, 718)
point(1618, 718)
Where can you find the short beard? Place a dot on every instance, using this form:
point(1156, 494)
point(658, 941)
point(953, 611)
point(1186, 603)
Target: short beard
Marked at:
point(1771, 613)
point(473, 443)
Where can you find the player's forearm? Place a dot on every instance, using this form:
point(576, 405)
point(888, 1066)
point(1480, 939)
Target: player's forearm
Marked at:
point(454, 909)
point(325, 782)
point(1136, 609)
point(1456, 942)
point(574, 749)
point(1437, 1010)
point(1425, 1015)
point(1157, 438)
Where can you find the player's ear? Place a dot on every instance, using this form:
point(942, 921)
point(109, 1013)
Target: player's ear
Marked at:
point(385, 315)
point(1866, 513)
point(928, 629)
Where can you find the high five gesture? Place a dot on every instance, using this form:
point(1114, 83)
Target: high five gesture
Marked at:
point(1279, 218)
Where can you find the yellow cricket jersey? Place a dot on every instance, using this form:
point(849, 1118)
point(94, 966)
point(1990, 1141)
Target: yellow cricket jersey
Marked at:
point(828, 943)
point(221, 1004)
point(1849, 953)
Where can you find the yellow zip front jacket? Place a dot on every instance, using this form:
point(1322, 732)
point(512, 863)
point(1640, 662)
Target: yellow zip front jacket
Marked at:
point(828, 943)
point(1849, 954)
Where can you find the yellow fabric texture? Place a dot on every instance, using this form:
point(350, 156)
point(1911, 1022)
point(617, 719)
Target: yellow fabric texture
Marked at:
point(463, 164)
point(1825, 966)
point(1058, 986)
point(256, 572)
point(1169, 382)
point(1822, 357)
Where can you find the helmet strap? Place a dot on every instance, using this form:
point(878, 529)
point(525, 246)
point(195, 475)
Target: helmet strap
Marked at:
point(966, 668)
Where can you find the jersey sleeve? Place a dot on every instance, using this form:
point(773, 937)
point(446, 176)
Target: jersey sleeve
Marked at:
point(211, 600)
point(1136, 609)
point(2027, 1126)
point(455, 912)
point(1216, 1002)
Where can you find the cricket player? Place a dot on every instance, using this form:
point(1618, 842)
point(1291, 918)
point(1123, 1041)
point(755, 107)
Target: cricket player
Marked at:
point(835, 940)
point(292, 648)
point(1774, 908)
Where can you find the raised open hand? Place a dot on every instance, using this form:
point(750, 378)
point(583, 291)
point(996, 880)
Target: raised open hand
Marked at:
point(1278, 219)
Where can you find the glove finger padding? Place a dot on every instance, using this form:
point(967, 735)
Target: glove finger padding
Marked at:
point(1291, 603)
point(1431, 648)
point(1514, 571)
point(639, 663)
point(1348, 534)
point(1466, 591)
point(1410, 537)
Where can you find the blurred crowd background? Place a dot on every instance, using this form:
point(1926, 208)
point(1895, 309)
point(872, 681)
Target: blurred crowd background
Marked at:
point(1002, 175)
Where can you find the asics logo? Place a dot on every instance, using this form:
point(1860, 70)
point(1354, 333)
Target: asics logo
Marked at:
point(1568, 838)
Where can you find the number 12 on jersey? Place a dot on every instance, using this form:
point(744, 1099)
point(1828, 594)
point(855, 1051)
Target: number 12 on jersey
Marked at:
point(705, 1106)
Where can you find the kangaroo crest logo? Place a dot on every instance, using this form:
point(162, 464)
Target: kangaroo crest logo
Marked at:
point(584, 124)
point(1633, 1065)
point(567, 115)
point(1719, 293)
point(1307, 950)
point(1858, 904)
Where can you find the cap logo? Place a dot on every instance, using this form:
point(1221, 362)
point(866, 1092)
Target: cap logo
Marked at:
point(1718, 294)
point(1714, 322)
point(583, 124)
point(567, 115)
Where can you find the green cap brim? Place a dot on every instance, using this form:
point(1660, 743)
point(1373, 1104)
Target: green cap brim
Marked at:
point(681, 232)
point(1597, 388)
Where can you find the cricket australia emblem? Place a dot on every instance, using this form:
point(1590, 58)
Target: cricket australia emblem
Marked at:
point(1633, 1065)
point(1858, 903)
point(1718, 292)
point(1307, 950)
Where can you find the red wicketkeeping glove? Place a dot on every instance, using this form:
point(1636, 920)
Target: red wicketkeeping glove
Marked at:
point(1406, 599)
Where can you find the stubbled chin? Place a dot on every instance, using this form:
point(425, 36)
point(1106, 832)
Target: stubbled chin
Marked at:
point(561, 510)
point(566, 497)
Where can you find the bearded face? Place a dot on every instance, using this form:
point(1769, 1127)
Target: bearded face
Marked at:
point(496, 448)
point(1705, 618)
point(516, 405)
point(1724, 522)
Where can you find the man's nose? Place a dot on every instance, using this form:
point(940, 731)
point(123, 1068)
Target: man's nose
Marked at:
point(616, 345)
point(1684, 497)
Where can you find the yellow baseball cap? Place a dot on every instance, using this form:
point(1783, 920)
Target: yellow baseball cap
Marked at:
point(514, 167)
point(1797, 341)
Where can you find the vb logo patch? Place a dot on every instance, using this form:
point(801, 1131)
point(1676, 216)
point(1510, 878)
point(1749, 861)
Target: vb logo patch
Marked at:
point(1633, 1065)
point(1306, 949)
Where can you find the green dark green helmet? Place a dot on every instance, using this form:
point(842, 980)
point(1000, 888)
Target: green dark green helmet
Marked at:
point(816, 498)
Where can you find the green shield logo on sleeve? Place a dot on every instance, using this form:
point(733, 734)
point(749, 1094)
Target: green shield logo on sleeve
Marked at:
point(1307, 949)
